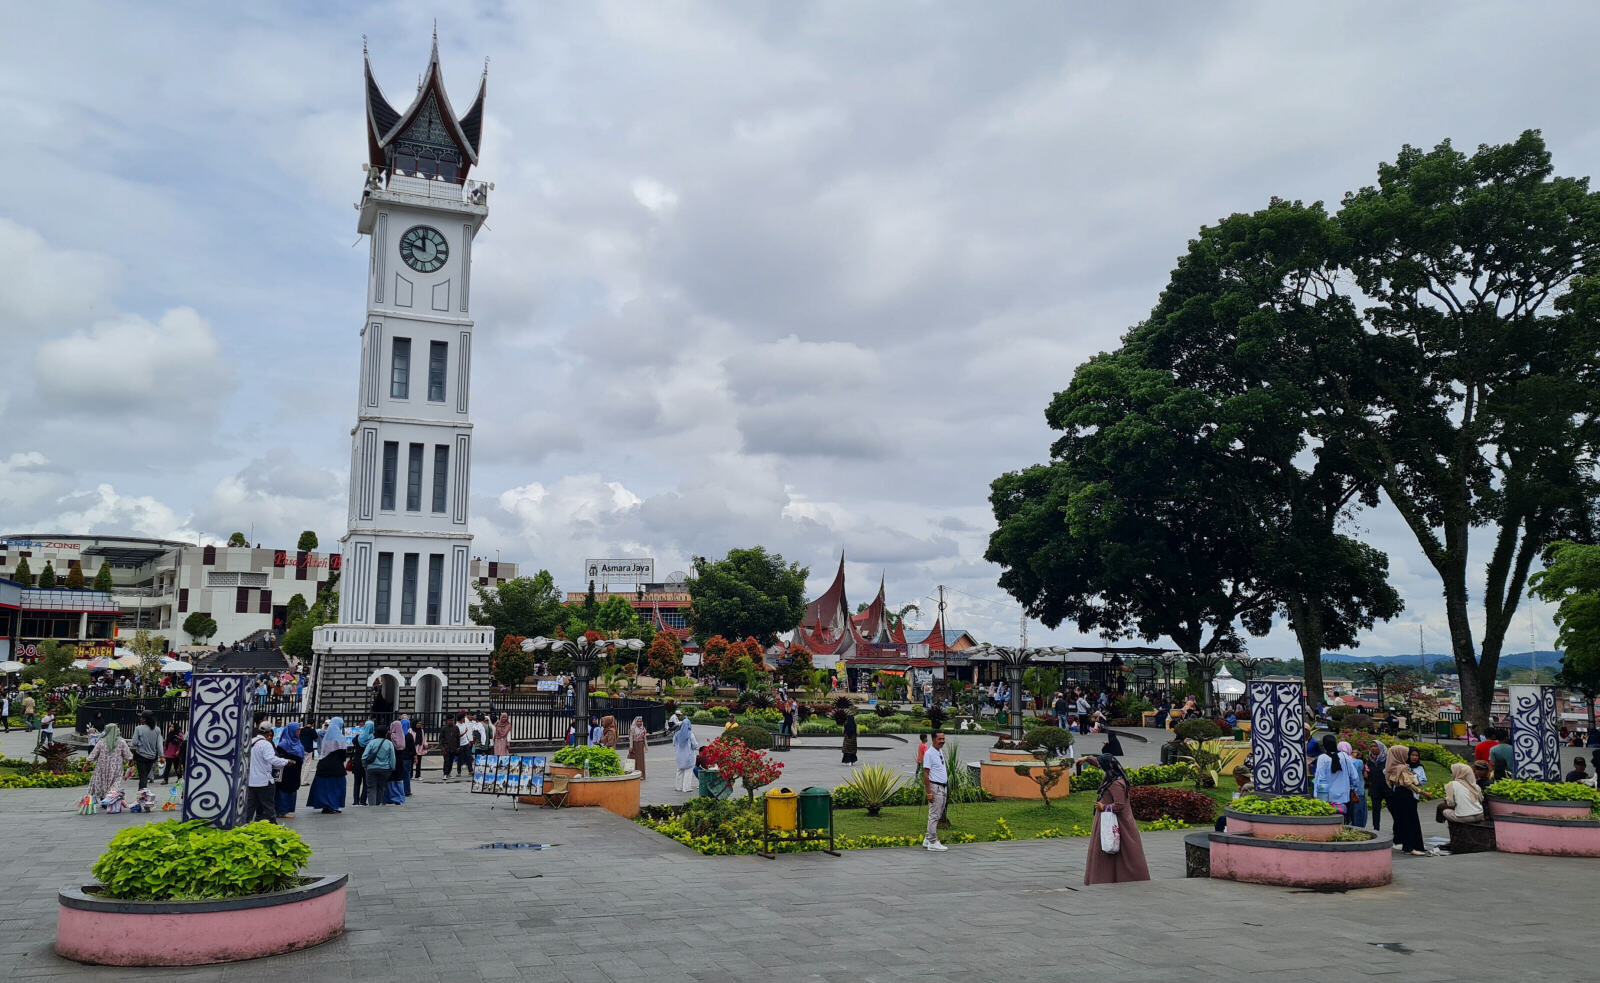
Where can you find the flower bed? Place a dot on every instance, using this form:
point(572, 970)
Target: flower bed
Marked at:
point(1285, 815)
point(1546, 800)
point(185, 894)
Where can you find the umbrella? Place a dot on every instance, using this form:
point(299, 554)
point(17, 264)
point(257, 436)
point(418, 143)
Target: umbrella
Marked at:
point(96, 665)
point(80, 663)
point(11, 665)
point(129, 661)
point(175, 665)
point(124, 653)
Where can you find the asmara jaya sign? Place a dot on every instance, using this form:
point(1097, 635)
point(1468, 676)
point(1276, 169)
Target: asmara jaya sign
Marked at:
point(620, 571)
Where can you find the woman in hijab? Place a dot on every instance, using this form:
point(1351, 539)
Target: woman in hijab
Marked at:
point(1331, 779)
point(406, 752)
point(608, 732)
point(848, 745)
point(1357, 816)
point(396, 794)
point(638, 739)
point(1377, 785)
point(1402, 798)
point(502, 734)
point(289, 778)
point(327, 787)
point(684, 745)
point(1463, 800)
point(110, 757)
point(357, 768)
point(1128, 863)
point(1113, 746)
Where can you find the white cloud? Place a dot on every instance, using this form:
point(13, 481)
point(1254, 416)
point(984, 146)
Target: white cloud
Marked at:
point(654, 195)
point(132, 363)
point(103, 510)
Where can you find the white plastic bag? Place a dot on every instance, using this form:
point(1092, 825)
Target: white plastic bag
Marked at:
point(1110, 833)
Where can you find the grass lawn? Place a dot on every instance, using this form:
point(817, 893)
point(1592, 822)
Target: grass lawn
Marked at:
point(1026, 819)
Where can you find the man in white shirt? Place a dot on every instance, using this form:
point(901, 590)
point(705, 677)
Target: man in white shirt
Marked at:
point(262, 787)
point(936, 783)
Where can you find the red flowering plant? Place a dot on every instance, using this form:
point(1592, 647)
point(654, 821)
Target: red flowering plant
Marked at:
point(734, 760)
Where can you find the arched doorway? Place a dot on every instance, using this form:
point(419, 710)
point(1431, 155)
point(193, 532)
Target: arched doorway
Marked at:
point(391, 681)
point(429, 684)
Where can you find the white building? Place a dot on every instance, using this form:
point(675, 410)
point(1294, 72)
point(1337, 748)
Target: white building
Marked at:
point(404, 598)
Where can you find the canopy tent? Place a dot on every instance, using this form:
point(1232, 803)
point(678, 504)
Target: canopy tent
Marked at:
point(175, 665)
point(1226, 684)
point(11, 665)
point(129, 661)
point(100, 664)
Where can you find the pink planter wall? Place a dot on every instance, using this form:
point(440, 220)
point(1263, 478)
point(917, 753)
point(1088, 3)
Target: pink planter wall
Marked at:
point(1545, 810)
point(1547, 837)
point(121, 933)
point(1318, 829)
point(1302, 864)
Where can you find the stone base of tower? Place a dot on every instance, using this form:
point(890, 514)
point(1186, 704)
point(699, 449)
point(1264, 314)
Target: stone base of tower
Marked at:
point(424, 670)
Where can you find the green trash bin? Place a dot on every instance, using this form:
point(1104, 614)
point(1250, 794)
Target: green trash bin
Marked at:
point(815, 806)
point(712, 786)
point(781, 809)
point(1442, 728)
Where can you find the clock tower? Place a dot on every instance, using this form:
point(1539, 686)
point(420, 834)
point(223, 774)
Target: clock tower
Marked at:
point(403, 592)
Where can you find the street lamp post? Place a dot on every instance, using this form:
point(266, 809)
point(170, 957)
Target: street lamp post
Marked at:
point(1207, 663)
point(1167, 662)
point(584, 653)
point(1013, 658)
point(1247, 665)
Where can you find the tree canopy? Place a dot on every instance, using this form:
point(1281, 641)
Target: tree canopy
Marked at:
point(200, 626)
point(307, 542)
point(102, 580)
point(1435, 341)
point(749, 593)
point(237, 539)
point(23, 574)
point(527, 606)
point(54, 666)
point(47, 576)
point(75, 579)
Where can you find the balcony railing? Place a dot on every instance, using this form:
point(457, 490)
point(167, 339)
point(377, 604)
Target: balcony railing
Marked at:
point(401, 638)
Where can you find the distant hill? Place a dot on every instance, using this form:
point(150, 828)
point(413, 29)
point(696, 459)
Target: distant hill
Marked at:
point(1547, 658)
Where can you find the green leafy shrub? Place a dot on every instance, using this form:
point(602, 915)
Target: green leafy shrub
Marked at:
point(1283, 805)
point(877, 785)
point(728, 820)
point(176, 861)
point(819, 726)
point(718, 714)
point(1360, 722)
point(883, 709)
point(1197, 730)
point(847, 796)
point(1438, 754)
point(1518, 790)
point(753, 736)
point(1146, 775)
point(1053, 741)
point(601, 761)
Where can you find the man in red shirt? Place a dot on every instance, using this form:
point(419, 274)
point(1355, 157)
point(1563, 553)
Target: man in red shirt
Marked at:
point(1480, 751)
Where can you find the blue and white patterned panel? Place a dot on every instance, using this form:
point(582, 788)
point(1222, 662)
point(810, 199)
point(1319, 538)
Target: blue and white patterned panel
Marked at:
point(215, 768)
point(1278, 737)
point(1535, 734)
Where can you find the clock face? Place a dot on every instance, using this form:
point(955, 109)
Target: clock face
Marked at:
point(423, 249)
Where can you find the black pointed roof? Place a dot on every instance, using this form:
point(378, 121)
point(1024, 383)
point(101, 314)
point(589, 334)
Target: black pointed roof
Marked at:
point(385, 124)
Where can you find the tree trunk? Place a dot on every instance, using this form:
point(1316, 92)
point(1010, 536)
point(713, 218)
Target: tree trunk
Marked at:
point(1308, 632)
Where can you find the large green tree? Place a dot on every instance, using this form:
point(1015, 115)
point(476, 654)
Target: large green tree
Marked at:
point(308, 541)
point(237, 539)
point(54, 667)
point(74, 579)
point(1471, 394)
point(1571, 581)
point(23, 574)
point(47, 576)
point(296, 641)
point(527, 606)
point(200, 626)
point(749, 593)
point(102, 580)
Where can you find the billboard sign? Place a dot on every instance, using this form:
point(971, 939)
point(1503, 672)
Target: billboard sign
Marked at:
point(626, 570)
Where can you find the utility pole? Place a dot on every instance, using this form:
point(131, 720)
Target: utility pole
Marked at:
point(942, 647)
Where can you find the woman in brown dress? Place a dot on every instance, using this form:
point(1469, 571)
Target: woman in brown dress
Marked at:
point(638, 739)
point(608, 732)
point(1127, 864)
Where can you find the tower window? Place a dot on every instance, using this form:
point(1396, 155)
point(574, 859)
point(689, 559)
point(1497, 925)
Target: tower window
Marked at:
point(438, 351)
point(391, 467)
point(435, 585)
point(414, 479)
point(408, 591)
point(385, 585)
point(441, 475)
point(400, 369)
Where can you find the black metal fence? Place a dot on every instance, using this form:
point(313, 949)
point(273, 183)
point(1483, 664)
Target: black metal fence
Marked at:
point(535, 721)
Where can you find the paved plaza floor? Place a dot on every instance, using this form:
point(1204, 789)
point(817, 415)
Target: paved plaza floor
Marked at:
point(611, 900)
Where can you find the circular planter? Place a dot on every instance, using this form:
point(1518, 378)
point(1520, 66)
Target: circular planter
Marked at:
point(1314, 828)
point(111, 932)
point(1547, 837)
point(1500, 807)
point(1293, 863)
point(615, 793)
point(1000, 779)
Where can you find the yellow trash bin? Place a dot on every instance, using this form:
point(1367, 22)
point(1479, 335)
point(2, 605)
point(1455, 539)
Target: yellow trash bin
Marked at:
point(781, 807)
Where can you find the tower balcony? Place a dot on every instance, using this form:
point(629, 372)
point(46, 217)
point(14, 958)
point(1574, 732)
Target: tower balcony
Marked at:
point(470, 197)
point(401, 639)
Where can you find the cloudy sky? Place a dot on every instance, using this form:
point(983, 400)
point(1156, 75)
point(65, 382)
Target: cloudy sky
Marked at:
point(798, 274)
